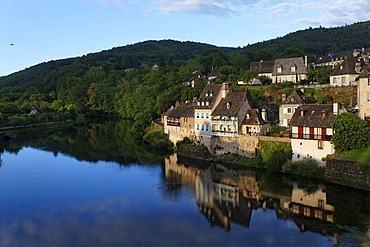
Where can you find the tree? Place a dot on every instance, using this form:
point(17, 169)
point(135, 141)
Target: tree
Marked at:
point(351, 132)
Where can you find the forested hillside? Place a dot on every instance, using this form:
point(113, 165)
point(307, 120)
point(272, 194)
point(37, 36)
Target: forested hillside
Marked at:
point(121, 81)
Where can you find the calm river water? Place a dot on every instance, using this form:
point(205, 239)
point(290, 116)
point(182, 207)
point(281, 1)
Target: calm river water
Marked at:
point(93, 186)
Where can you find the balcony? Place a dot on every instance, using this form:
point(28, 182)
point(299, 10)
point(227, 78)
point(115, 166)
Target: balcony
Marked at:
point(310, 137)
point(224, 122)
point(224, 133)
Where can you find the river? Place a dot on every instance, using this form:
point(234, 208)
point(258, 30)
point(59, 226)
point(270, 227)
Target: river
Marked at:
point(94, 186)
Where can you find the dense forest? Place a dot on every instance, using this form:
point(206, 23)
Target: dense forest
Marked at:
point(122, 82)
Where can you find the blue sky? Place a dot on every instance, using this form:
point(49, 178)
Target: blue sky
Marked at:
point(34, 31)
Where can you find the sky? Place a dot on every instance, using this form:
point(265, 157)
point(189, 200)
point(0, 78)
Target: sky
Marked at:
point(36, 31)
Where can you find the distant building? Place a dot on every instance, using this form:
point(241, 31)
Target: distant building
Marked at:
point(193, 77)
point(311, 131)
point(290, 69)
point(347, 72)
point(263, 68)
point(213, 75)
point(289, 105)
point(363, 95)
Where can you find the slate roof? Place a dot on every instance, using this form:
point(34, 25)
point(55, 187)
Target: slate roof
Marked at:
point(296, 97)
point(214, 73)
point(365, 73)
point(195, 75)
point(347, 67)
point(313, 116)
point(209, 94)
point(255, 118)
point(186, 110)
point(262, 66)
point(287, 63)
point(230, 105)
point(334, 57)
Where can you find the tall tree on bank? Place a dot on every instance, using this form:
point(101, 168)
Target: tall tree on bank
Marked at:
point(351, 132)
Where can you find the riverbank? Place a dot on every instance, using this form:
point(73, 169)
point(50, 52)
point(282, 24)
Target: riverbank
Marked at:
point(338, 170)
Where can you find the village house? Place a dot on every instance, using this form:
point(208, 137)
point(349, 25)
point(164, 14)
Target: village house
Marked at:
point(347, 72)
point(331, 60)
point(178, 122)
point(311, 131)
point(289, 105)
point(255, 122)
point(363, 95)
point(290, 69)
point(263, 68)
point(227, 117)
point(205, 105)
point(193, 77)
point(284, 69)
point(213, 75)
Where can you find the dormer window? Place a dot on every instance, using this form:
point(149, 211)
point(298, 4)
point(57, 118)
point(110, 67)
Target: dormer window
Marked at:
point(207, 103)
point(301, 113)
point(228, 105)
point(248, 116)
point(211, 94)
point(198, 103)
point(323, 114)
point(279, 70)
point(206, 94)
point(293, 69)
point(202, 103)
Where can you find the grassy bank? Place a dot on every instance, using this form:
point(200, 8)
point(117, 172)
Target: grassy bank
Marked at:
point(361, 155)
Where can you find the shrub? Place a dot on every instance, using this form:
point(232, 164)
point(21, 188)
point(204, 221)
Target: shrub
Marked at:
point(307, 168)
point(158, 141)
point(275, 155)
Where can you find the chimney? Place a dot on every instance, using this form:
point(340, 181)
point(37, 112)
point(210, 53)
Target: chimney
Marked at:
point(264, 115)
point(225, 89)
point(335, 108)
point(306, 61)
point(283, 97)
point(177, 104)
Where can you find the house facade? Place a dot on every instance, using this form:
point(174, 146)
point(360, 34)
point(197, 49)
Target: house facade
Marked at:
point(363, 95)
point(347, 72)
point(227, 117)
point(178, 122)
point(290, 69)
point(263, 68)
point(289, 105)
point(311, 131)
point(255, 122)
point(205, 105)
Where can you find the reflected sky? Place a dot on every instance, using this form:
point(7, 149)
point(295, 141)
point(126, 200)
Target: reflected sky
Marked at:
point(48, 200)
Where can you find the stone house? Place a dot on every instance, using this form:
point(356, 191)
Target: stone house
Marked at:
point(205, 105)
point(255, 122)
point(263, 68)
point(178, 122)
point(290, 69)
point(227, 117)
point(192, 78)
point(311, 131)
point(289, 105)
point(347, 72)
point(363, 95)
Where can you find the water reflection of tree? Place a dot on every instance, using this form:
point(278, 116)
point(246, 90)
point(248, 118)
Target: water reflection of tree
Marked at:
point(108, 141)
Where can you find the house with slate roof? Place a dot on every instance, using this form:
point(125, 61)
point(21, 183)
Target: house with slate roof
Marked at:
point(193, 77)
point(227, 117)
point(205, 105)
point(290, 69)
point(311, 131)
point(263, 68)
point(331, 60)
point(178, 122)
point(255, 122)
point(363, 95)
point(289, 105)
point(347, 72)
point(213, 75)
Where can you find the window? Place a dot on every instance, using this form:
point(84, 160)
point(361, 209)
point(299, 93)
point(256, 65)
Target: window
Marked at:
point(320, 144)
point(289, 110)
point(320, 203)
point(367, 97)
point(197, 126)
point(206, 127)
point(207, 115)
point(368, 82)
point(197, 114)
point(207, 103)
point(279, 69)
point(292, 69)
point(202, 127)
point(202, 103)
point(202, 115)
point(198, 103)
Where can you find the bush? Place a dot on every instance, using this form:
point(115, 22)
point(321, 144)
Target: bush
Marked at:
point(307, 168)
point(275, 155)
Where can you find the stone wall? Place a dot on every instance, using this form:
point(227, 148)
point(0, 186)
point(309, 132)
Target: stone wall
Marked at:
point(347, 172)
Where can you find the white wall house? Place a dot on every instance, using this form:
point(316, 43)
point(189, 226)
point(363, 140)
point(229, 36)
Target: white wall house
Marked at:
point(289, 105)
point(311, 131)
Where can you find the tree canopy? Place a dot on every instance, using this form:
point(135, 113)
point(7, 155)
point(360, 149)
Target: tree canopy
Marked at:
point(351, 132)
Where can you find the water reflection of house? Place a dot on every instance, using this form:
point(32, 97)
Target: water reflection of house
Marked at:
point(312, 205)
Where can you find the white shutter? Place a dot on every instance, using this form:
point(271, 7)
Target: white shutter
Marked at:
point(284, 110)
